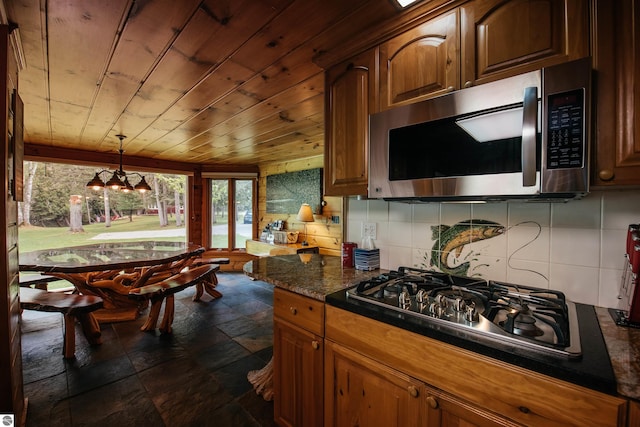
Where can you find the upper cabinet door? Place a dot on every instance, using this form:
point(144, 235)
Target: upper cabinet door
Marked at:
point(617, 64)
point(504, 38)
point(351, 95)
point(420, 63)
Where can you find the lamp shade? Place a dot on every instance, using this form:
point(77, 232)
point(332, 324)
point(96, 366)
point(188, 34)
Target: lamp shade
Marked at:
point(305, 214)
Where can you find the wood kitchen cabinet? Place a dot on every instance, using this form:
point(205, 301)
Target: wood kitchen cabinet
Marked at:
point(351, 94)
point(477, 42)
point(298, 325)
point(445, 410)
point(617, 64)
point(420, 63)
point(504, 38)
point(361, 392)
point(459, 387)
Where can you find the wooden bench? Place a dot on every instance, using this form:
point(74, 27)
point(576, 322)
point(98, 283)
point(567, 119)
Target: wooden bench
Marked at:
point(39, 281)
point(164, 291)
point(208, 285)
point(72, 306)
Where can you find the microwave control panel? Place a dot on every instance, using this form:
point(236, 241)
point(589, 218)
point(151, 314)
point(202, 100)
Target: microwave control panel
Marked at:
point(565, 130)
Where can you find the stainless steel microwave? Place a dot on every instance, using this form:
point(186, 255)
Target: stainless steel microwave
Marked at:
point(525, 136)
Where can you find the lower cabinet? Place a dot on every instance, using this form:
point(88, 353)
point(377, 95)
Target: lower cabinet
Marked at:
point(362, 392)
point(297, 360)
point(377, 374)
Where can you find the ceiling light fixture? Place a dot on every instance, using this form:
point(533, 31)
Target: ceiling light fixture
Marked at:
point(119, 180)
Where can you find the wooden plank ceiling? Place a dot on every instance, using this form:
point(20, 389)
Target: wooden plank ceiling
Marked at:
point(211, 82)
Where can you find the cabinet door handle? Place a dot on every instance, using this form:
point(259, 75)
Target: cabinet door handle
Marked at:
point(293, 310)
point(315, 344)
point(468, 84)
point(450, 89)
point(433, 403)
point(413, 391)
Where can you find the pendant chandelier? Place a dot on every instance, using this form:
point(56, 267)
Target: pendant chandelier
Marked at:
point(119, 180)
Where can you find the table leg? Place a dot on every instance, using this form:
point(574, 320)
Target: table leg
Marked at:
point(262, 381)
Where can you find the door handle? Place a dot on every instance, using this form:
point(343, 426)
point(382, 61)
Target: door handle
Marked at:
point(529, 135)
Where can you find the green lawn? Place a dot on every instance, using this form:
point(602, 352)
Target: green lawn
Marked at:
point(35, 238)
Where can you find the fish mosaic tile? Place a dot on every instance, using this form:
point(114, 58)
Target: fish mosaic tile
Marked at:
point(576, 247)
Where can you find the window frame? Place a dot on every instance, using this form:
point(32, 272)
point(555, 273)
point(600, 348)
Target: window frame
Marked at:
point(231, 211)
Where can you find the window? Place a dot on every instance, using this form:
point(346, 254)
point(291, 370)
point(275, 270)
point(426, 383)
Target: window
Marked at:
point(231, 212)
point(57, 200)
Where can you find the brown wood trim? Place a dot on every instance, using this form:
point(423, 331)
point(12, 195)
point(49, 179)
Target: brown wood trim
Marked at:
point(46, 153)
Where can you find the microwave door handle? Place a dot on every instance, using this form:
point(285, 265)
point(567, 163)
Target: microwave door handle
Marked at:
point(529, 132)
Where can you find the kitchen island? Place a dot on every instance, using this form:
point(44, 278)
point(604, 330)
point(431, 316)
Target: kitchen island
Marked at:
point(517, 387)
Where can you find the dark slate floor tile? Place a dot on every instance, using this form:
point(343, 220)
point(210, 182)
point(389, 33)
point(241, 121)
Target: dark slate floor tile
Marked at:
point(238, 326)
point(184, 392)
point(196, 376)
point(234, 376)
point(121, 403)
point(234, 415)
point(221, 354)
point(260, 409)
point(82, 379)
point(48, 404)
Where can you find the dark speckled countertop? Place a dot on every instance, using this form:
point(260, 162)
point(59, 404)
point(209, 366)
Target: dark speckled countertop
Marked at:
point(623, 344)
point(317, 276)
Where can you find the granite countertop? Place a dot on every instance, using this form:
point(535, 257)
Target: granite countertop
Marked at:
point(317, 276)
point(623, 344)
point(314, 276)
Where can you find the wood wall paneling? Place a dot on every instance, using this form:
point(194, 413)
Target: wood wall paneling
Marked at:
point(11, 387)
point(322, 232)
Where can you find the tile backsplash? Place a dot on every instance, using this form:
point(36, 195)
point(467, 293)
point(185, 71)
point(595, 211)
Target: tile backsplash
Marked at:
point(575, 247)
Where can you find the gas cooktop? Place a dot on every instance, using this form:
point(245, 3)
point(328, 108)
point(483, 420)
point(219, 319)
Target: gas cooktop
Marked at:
point(540, 320)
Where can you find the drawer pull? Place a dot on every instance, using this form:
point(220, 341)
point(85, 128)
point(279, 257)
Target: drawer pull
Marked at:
point(524, 409)
point(433, 403)
point(413, 391)
point(315, 344)
point(293, 310)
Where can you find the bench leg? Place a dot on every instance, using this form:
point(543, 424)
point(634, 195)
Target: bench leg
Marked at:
point(199, 291)
point(90, 328)
point(154, 313)
point(69, 346)
point(208, 285)
point(167, 318)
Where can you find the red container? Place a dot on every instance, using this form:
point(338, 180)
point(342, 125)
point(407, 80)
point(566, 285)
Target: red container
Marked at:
point(347, 254)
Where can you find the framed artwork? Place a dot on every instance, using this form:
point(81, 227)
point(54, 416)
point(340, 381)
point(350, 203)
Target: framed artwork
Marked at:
point(18, 147)
point(287, 191)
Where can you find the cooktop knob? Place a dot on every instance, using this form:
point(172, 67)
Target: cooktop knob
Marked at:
point(459, 304)
point(471, 314)
point(421, 296)
point(436, 309)
point(441, 300)
point(404, 299)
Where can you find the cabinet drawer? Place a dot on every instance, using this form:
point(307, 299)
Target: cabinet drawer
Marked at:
point(304, 312)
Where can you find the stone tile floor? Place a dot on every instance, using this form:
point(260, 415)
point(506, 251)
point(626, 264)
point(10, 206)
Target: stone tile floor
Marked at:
point(196, 376)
